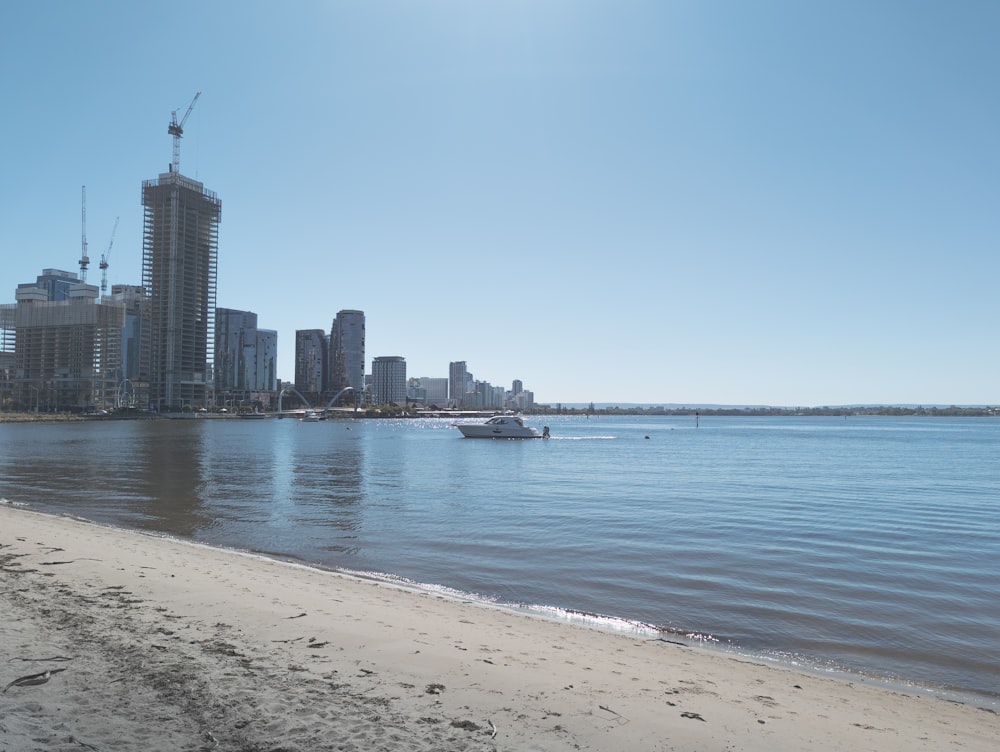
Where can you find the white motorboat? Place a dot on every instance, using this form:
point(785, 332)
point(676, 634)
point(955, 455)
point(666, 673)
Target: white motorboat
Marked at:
point(311, 416)
point(501, 427)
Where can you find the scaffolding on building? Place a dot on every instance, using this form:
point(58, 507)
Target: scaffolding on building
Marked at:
point(179, 269)
point(58, 356)
point(7, 356)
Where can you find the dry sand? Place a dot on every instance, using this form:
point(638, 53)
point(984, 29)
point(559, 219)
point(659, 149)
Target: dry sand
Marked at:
point(164, 645)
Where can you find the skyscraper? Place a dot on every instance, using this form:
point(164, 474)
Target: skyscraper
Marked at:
point(179, 263)
point(389, 380)
point(266, 361)
point(133, 299)
point(311, 356)
point(457, 378)
point(245, 357)
point(347, 352)
point(67, 345)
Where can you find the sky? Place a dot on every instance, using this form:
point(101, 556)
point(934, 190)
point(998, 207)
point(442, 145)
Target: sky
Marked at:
point(697, 202)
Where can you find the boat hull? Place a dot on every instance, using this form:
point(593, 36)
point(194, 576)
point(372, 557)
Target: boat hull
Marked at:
point(479, 431)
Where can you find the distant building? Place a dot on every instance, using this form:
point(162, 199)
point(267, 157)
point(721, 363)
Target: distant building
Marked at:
point(245, 357)
point(523, 400)
point(427, 390)
point(266, 361)
point(55, 283)
point(347, 353)
point(457, 381)
point(7, 337)
point(133, 299)
point(179, 266)
point(66, 346)
point(389, 380)
point(311, 362)
point(234, 331)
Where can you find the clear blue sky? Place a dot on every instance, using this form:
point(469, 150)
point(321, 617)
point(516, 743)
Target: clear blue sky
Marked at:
point(776, 202)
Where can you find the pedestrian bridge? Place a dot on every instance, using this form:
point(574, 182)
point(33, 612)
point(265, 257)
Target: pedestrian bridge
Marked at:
point(308, 406)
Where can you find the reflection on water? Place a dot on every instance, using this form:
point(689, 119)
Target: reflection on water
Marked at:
point(282, 486)
point(325, 487)
point(169, 466)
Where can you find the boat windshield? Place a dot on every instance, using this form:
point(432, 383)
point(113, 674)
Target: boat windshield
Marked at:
point(501, 420)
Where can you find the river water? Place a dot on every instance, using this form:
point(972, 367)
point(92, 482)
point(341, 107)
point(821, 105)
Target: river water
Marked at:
point(867, 545)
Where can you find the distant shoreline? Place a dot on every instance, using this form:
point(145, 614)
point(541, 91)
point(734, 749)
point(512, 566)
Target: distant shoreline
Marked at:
point(38, 417)
point(952, 411)
point(836, 412)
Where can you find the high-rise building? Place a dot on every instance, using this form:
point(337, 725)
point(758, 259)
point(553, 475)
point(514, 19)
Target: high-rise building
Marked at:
point(235, 358)
point(133, 299)
point(245, 356)
point(66, 348)
point(179, 265)
point(55, 283)
point(266, 351)
point(457, 378)
point(7, 344)
point(524, 400)
point(234, 331)
point(311, 362)
point(347, 352)
point(389, 380)
point(427, 390)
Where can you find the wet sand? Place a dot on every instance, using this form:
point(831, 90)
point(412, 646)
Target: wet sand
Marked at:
point(158, 644)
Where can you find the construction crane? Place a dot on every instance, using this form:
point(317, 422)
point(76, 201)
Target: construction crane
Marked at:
point(84, 258)
point(176, 130)
point(104, 259)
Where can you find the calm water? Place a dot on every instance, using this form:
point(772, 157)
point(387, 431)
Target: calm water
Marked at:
point(868, 545)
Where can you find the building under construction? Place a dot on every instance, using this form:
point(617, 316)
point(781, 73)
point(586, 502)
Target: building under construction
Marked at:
point(179, 265)
point(60, 352)
point(62, 348)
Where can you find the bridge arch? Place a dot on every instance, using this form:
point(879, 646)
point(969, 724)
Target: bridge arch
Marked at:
point(296, 392)
point(337, 397)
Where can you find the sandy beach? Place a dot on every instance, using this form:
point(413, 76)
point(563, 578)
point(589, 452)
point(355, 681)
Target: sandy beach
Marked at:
point(125, 641)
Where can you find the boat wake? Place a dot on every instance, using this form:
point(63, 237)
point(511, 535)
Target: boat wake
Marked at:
point(581, 438)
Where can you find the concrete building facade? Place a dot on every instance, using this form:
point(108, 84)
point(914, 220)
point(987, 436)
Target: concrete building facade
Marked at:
point(245, 358)
point(179, 267)
point(347, 352)
point(311, 363)
point(389, 380)
point(66, 352)
point(458, 376)
point(427, 390)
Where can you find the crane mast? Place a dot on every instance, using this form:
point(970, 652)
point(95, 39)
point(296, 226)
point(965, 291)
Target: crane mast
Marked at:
point(84, 258)
point(176, 129)
point(104, 259)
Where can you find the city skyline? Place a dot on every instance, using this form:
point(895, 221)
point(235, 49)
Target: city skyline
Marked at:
point(641, 202)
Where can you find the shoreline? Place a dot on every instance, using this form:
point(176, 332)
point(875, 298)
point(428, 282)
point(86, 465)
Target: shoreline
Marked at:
point(620, 626)
point(607, 623)
point(177, 645)
point(547, 412)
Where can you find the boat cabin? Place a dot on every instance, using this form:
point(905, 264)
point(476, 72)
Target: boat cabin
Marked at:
point(505, 420)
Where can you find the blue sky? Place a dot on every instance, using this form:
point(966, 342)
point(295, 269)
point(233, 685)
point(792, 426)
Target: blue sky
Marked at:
point(774, 202)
